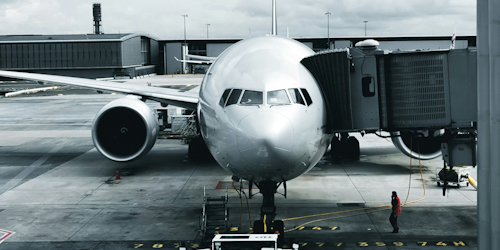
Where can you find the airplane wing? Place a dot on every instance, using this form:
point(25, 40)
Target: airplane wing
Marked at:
point(188, 99)
point(193, 61)
point(197, 59)
point(203, 58)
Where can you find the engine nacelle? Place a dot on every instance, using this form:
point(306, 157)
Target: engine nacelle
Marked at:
point(125, 129)
point(415, 146)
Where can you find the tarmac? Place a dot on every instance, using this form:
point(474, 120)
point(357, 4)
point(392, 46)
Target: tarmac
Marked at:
point(58, 192)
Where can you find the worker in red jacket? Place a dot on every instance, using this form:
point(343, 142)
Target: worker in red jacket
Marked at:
point(396, 211)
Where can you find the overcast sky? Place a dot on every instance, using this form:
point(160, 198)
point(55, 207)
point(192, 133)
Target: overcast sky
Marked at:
point(240, 19)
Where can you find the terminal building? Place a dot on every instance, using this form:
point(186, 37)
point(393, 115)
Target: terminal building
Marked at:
point(87, 55)
point(213, 47)
point(134, 55)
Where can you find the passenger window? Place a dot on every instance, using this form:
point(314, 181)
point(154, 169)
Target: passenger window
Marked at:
point(307, 97)
point(224, 97)
point(277, 97)
point(234, 97)
point(296, 96)
point(251, 97)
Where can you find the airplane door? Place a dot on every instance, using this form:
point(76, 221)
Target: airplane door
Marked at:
point(364, 93)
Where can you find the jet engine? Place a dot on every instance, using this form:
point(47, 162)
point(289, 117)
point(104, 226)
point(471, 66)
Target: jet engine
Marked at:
point(418, 145)
point(125, 129)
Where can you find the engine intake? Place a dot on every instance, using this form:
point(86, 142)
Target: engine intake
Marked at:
point(125, 129)
point(415, 146)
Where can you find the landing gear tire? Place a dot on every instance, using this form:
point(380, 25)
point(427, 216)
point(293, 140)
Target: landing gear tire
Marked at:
point(279, 226)
point(439, 184)
point(258, 227)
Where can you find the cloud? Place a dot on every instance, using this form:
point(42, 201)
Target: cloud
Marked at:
point(236, 19)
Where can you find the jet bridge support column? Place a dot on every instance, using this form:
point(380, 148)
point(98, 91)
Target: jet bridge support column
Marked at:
point(488, 62)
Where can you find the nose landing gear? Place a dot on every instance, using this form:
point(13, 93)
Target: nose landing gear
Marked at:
point(267, 224)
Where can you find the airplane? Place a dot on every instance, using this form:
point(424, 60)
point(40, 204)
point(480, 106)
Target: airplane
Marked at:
point(197, 59)
point(260, 113)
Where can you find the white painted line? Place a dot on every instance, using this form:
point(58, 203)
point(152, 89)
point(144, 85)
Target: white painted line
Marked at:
point(4, 234)
point(30, 91)
point(42, 124)
point(16, 180)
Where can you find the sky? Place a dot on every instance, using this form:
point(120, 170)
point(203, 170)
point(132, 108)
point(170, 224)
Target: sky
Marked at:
point(238, 19)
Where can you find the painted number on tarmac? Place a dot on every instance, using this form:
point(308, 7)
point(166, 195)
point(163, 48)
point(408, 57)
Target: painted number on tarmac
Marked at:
point(380, 244)
point(363, 244)
point(322, 245)
point(458, 243)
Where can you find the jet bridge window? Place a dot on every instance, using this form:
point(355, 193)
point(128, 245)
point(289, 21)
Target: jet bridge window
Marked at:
point(307, 97)
point(251, 97)
point(223, 99)
point(234, 97)
point(277, 97)
point(296, 96)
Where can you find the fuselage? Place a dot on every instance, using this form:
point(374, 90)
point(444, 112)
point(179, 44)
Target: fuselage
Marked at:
point(261, 112)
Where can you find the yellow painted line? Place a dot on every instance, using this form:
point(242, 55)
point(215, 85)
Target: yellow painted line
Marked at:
point(265, 227)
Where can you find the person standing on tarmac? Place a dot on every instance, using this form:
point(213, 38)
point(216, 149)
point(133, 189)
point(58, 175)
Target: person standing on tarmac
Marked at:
point(396, 211)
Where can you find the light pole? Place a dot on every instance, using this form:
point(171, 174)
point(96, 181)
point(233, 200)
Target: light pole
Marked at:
point(328, 25)
point(275, 24)
point(207, 29)
point(184, 49)
point(185, 27)
point(365, 26)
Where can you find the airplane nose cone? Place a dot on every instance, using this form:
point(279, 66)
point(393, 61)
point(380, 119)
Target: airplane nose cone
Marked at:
point(265, 138)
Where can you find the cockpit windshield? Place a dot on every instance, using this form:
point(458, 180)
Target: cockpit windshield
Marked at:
point(296, 96)
point(223, 99)
point(234, 97)
point(277, 97)
point(251, 97)
point(307, 97)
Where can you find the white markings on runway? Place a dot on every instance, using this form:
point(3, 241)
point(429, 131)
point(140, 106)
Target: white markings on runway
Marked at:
point(44, 124)
point(94, 103)
point(20, 177)
point(16, 138)
point(4, 234)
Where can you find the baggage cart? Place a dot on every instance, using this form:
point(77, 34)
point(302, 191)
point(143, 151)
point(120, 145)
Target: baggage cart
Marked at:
point(457, 176)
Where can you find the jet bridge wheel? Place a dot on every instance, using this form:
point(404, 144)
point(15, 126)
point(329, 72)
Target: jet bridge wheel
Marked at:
point(336, 148)
point(346, 147)
point(352, 148)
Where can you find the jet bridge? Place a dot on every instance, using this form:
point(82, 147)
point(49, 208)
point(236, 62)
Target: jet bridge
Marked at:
point(426, 99)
